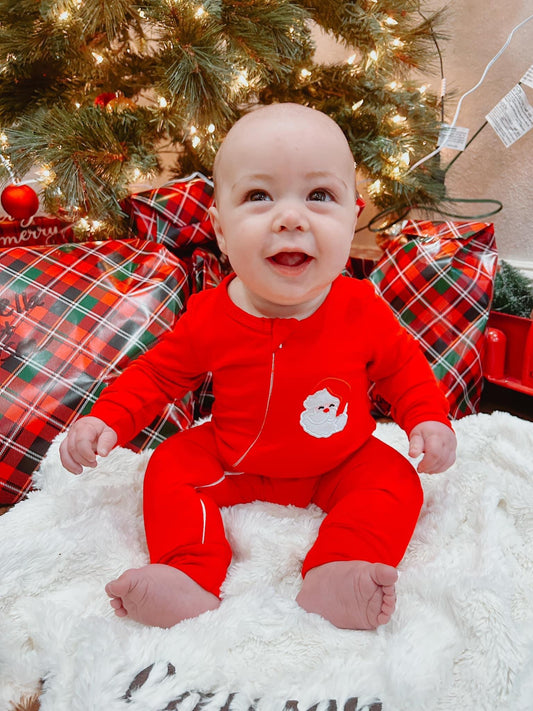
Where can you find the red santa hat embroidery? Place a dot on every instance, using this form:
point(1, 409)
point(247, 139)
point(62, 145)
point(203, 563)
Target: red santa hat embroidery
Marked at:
point(326, 410)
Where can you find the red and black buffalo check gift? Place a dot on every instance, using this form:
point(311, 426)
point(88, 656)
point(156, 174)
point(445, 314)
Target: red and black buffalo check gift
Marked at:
point(440, 284)
point(71, 318)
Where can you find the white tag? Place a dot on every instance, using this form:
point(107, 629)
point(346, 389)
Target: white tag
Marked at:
point(512, 117)
point(453, 137)
point(527, 79)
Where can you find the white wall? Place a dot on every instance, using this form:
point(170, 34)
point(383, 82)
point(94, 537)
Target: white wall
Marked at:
point(477, 30)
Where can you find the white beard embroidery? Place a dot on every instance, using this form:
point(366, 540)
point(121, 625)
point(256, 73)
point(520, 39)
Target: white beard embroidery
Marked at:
point(319, 418)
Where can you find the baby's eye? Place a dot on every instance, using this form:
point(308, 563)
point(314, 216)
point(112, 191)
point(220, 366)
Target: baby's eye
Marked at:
point(257, 195)
point(320, 195)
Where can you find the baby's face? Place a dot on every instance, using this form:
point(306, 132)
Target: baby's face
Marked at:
point(285, 209)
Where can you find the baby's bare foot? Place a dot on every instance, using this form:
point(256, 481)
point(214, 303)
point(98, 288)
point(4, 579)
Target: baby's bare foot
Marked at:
point(352, 594)
point(159, 596)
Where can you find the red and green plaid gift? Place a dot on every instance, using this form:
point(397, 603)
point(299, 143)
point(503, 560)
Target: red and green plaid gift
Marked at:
point(440, 285)
point(176, 214)
point(73, 316)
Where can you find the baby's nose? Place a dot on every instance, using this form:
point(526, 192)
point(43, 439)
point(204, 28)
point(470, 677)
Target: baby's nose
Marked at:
point(290, 218)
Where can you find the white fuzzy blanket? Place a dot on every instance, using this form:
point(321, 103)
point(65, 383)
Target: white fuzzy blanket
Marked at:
point(460, 639)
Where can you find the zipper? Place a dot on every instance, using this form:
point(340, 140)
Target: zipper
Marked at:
point(270, 388)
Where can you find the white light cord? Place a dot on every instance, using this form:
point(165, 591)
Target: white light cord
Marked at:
point(470, 91)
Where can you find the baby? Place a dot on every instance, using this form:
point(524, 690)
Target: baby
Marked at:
point(292, 346)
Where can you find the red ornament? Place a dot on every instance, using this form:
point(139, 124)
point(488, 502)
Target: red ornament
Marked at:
point(20, 201)
point(102, 100)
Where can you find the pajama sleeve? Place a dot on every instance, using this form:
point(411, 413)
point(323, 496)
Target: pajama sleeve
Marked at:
point(166, 373)
point(401, 371)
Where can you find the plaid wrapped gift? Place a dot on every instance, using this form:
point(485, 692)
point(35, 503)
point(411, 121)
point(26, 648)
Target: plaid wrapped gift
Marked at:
point(175, 214)
point(440, 285)
point(72, 317)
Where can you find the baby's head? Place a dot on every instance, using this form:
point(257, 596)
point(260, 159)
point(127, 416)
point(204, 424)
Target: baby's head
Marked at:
point(285, 119)
point(285, 207)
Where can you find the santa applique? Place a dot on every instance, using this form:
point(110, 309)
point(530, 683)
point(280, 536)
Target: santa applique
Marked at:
point(326, 410)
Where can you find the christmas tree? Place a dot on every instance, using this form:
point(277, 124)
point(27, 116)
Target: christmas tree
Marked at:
point(94, 95)
point(513, 291)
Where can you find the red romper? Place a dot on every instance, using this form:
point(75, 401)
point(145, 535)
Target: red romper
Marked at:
point(290, 424)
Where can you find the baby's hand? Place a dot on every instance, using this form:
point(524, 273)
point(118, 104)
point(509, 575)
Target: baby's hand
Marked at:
point(87, 437)
point(438, 443)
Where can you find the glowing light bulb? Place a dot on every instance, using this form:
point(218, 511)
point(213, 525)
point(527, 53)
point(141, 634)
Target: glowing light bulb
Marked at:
point(64, 16)
point(391, 21)
point(211, 128)
point(397, 118)
point(351, 59)
point(97, 58)
point(3, 139)
point(394, 85)
point(200, 12)
point(357, 105)
point(196, 141)
point(163, 103)
point(375, 187)
point(405, 159)
point(305, 73)
point(396, 42)
point(373, 55)
point(422, 89)
point(242, 78)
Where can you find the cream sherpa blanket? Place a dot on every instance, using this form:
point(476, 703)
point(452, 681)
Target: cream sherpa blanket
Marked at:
point(461, 638)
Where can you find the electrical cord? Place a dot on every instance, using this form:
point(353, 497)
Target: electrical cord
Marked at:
point(470, 91)
point(402, 210)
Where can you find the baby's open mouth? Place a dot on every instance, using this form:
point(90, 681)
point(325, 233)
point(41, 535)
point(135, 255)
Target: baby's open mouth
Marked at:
point(290, 259)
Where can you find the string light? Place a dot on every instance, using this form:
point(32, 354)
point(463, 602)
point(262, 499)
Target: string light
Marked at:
point(196, 141)
point(163, 103)
point(200, 12)
point(396, 42)
point(242, 78)
point(357, 105)
point(47, 176)
point(373, 55)
point(391, 21)
point(211, 128)
point(305, 73)
point(97, 57)
point(375, 187)
point(351, 59)
point(64, 16)
point(398, 118)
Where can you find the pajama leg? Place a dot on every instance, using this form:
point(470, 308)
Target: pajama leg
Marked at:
point(372, 503)
point(183, 525)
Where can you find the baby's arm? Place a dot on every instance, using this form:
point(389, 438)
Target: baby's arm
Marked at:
point(86, 438)
point(438, 443)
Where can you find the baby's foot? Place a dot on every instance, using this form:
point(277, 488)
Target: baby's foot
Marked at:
point(352, 594)
point(159, 595)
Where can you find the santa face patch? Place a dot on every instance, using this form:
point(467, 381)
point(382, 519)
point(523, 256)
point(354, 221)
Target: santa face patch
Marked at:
point(326, 410)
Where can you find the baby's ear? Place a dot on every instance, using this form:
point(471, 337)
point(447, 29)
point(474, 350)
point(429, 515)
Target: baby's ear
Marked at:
point(215, 221)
